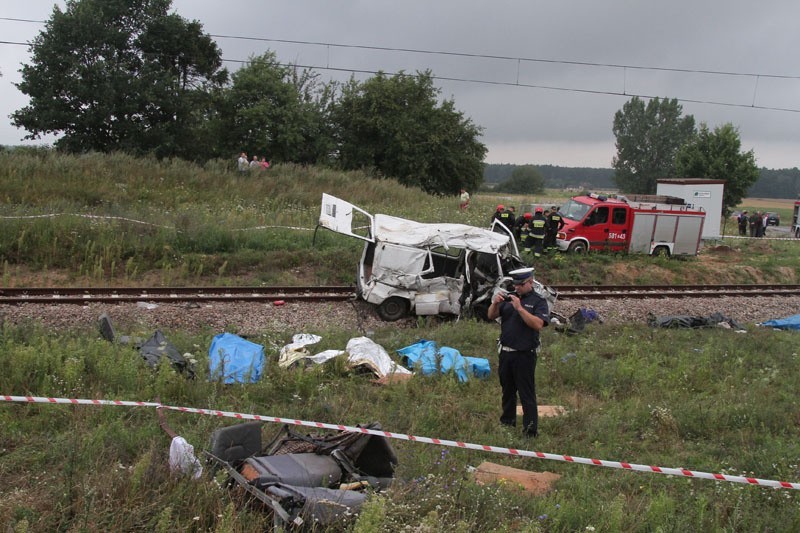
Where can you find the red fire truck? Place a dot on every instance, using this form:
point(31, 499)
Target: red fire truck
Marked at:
point(656, 225)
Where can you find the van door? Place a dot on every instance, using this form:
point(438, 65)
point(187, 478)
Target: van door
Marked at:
point(619, 228)
point(345, 218)
point(595, 227)
point(499, 227)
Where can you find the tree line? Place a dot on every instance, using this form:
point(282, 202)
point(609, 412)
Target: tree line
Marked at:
point(771, 183)
point(135, 77)
point(655, 141)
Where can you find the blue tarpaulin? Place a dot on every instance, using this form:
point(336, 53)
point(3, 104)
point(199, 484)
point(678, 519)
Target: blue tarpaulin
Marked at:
point(790, 322)
point(235, 360)
point(429, 358)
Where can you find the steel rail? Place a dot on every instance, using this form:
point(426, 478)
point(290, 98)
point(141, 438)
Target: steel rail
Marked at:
point(567, 292)
point(52, 295)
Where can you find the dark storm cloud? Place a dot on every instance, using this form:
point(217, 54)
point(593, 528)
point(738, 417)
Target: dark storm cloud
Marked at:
point(560, 110)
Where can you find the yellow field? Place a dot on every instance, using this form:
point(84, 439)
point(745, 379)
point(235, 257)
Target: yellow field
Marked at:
point(767, 203)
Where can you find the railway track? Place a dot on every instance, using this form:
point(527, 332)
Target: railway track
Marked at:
point(45, 295)
point(567, 292)
point(78, 295)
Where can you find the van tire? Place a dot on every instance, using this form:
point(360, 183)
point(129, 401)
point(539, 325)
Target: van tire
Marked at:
point(577, 247)
point(661, 251)
point(393, 308)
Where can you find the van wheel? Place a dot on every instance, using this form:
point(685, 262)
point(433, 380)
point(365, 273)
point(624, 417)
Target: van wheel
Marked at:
point(393, 308)
point(661, 251)
point(797, 233)
point(577, 247)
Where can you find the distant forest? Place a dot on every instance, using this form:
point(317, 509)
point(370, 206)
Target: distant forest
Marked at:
point(781, 183)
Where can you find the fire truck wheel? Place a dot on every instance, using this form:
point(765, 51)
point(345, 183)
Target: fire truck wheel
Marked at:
point(661, 251)
point(393, 308)
point(577, 247)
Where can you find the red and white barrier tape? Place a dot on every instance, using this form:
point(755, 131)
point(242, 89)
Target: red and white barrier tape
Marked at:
point(134, 221)
point(683, 472)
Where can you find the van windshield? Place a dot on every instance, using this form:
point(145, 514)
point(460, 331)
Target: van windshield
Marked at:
point(574, 210)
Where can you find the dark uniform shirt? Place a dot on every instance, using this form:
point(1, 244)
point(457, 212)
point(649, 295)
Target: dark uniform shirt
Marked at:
point(555, 222)
point(538, 226)
point(514, 332)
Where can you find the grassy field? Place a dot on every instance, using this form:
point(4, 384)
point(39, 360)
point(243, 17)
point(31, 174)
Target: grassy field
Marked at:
point(707, 400)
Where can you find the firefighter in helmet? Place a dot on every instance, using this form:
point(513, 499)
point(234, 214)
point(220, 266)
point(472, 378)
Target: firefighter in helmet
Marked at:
point(554, 224)
point(538, 229)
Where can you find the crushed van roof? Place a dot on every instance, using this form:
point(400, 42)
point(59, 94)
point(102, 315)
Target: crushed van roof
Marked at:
point(410, 233)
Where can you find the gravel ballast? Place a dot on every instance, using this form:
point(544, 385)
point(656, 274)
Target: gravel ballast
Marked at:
point(358, 317)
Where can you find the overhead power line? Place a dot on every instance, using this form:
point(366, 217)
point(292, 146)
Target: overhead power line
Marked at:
point(533, 86)
point(496, 57)
point(508, 58)
point(478, 56)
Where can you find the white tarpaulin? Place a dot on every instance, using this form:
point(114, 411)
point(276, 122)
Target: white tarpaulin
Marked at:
point(361, 351)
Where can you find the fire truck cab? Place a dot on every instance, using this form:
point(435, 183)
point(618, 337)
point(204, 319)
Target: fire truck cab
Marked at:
point(652, 225)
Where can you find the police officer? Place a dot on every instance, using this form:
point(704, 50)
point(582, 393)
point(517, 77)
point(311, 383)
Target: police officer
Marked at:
point(538, 228)
point(522, 316)
point(554, 224)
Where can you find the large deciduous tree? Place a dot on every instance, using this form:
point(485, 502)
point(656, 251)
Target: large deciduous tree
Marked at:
point(717, 155)
point(120, 75)
point(648, 139)
point(525, 179)
point(396, 126)
point(278, 111)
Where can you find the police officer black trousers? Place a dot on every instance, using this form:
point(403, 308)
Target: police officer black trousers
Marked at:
point(517, 371)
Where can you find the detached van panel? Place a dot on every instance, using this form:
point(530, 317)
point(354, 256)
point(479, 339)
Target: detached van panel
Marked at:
point(339, 216)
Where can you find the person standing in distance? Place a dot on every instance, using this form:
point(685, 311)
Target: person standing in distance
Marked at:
point(522, 317)
point(242, 164)
point(464, 197)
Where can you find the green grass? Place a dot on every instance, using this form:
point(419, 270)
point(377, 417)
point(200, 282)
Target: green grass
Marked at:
point(708, 400)
point(104, 220)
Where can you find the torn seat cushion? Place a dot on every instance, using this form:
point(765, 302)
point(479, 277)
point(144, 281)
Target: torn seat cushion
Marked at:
point(233, 444)
point(319, 505)
point(299, 469)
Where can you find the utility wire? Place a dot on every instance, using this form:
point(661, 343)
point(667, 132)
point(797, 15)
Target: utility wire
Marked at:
point(479, 56)
point(496, 57)
point(533, 86)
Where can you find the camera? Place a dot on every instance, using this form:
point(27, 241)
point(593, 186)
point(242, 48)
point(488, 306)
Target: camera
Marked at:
point(508, 295)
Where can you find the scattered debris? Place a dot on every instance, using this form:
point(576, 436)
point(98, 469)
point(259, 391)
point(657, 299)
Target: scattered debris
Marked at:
point(182, 459)
point(790, 322)
point(152, 349)
point(360, 351)
point(686, 321)
point(538, 483)
point(320, 479)
point(577, 322)
point(429, 358)
point(233, 359)
point(547, 411)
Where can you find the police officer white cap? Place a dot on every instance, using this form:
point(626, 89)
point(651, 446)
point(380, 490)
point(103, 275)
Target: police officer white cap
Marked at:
point(521, 275)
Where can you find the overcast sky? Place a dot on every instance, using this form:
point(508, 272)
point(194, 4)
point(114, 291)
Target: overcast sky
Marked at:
point(726, 61)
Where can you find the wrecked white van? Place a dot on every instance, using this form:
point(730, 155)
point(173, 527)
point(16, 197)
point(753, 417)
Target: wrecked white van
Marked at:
point(427, 269)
